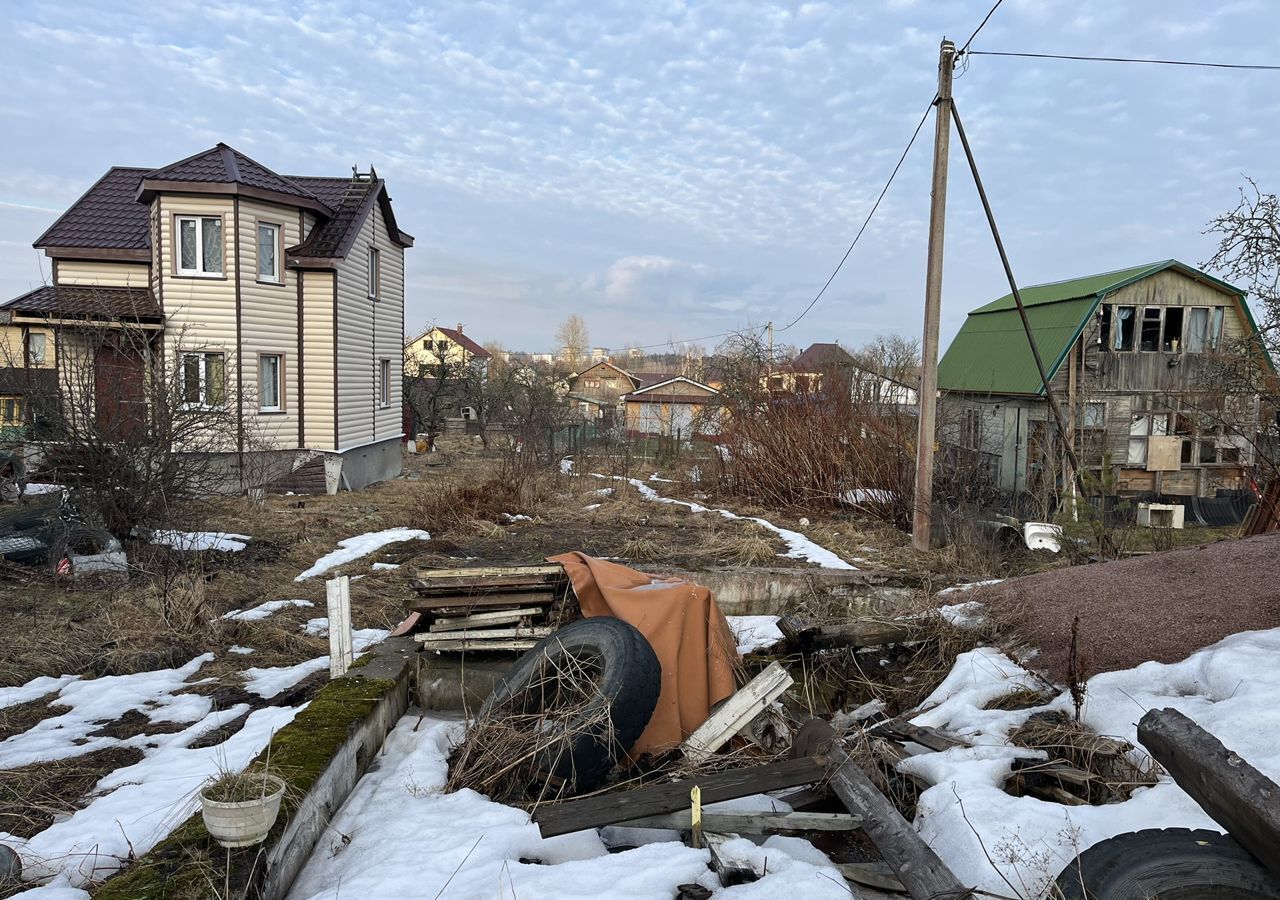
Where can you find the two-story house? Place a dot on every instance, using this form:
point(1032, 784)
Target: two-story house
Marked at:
point(281, 294)
point(1132, 357)
point(442, 346)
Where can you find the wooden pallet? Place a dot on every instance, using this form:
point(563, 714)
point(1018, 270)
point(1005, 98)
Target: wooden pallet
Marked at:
point(491, 608)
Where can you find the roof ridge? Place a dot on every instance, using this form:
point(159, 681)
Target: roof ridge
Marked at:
point(1151, 265)
point(229, 161)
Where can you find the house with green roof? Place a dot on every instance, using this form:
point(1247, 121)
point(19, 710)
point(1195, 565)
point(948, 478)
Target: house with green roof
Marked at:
point(1132, 356)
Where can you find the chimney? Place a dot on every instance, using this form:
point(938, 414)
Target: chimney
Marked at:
point(459, 328)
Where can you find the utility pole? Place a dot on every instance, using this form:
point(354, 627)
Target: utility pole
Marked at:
point(770, 363)
point(922, 518)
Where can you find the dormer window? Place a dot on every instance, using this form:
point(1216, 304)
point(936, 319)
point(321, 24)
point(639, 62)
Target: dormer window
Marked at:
point(199, 245)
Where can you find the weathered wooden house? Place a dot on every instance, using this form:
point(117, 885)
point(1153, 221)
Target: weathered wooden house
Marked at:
point(677, 407)
point(1132, 356)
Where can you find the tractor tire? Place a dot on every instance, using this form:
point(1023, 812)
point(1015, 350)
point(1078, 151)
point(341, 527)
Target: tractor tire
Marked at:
point(1164, 864)
point(598, 679)
point(78, 540)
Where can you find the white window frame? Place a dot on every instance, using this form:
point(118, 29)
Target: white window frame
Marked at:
point(384, 383)
point(277, 276)
point(199, 271)
point(375, 273)
point(279, 404)
point(203, 357)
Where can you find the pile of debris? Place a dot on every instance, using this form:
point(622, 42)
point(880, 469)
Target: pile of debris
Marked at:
point(489, 609)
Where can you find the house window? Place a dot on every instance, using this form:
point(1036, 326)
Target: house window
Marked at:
point(1095, 415)
point(203, 379)
point(442, 348)
point(1123, 328)
point(384, 383)
point(10, 410)
point(270, 367)
point(1215, 328)
point(1172, 341)
point(199, 245)
point(971, 430)
point(1150, 329)
point(35, 349)
point(269, 253)
point(375, 274)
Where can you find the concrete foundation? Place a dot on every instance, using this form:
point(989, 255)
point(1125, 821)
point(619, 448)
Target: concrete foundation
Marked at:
point(363, 466)
point(753, 591)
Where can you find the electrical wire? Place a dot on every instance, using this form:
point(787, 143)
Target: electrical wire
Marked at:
point(981, 25)
point(1126, 59)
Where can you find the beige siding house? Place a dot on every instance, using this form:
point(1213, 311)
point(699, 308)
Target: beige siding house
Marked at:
point(281, 294)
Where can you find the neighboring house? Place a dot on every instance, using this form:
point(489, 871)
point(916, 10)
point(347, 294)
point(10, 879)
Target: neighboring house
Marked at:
point(676, 407)
point(821, 363)
point(597, 391)
point(424, 354)
point(1130, 355)
point(283, 292)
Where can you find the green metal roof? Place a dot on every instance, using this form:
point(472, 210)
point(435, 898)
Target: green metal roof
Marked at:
point(990, 354)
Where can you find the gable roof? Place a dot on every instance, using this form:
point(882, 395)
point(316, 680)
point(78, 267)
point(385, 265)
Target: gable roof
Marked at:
point(462, 340)
point(990, 354)
point(112, 218)
point(654, 391)
point(634, 379)
point(822, 356)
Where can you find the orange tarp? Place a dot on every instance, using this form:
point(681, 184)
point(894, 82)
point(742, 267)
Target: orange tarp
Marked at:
point(683, 625)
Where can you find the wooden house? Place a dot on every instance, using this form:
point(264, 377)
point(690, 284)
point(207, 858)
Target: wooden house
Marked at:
point(678, 407)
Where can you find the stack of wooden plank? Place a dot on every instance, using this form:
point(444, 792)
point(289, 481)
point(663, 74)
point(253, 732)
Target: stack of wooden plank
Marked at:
point(492, 608)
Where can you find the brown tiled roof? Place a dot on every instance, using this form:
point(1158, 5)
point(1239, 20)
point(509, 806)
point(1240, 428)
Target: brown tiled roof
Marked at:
point(107, 216)
point(87, 301)
point(334, 237)
point(465, 342)
point(822, 356)
point(226, 165)
point(649, 379)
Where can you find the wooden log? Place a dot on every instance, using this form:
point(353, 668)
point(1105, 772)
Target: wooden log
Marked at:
point(485, 619)
point(736, 713)
point(483, 634)
point(731, 868)
point(657, 799)
point(1234, 794)
point(804, 634)
point(751, 822)
point(924, 875)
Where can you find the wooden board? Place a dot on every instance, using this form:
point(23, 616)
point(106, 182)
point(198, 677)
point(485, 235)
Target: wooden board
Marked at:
point(656, 799)
point(447, 587)
point(751, 822)
point(540, 571)
point(1234, 794)
point(486, 619)
point(536, 633)
point(453, 604)
point(462, 646)
point(737, 712)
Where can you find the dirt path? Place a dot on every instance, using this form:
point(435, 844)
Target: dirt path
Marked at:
point(1160, 607)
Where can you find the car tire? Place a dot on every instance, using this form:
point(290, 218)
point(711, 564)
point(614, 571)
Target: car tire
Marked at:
point(78, 540)
point(624, 678)
point(1167, 863)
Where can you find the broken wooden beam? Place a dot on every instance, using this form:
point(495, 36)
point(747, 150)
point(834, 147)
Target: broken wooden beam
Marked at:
point(1233, 793)
point(730, 867)
point(430, 639)
point(486, 619)
point(736, 713)
point(751, 822)
point(921, 872)
point(456, 646)
point(929, 738)
point(657, 799)
point(857, 634)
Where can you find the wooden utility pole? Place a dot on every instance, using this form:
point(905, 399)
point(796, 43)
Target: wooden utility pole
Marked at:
point(922, 518)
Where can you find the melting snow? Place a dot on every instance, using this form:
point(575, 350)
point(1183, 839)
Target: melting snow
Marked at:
point(754, 632)
point(269, 682)
point(385, 567)
point(201, 540)
point(263, 610)
point(36, 687)
point(362, 545)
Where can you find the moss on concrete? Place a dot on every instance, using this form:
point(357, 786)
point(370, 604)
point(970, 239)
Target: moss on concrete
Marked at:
point(179, 865)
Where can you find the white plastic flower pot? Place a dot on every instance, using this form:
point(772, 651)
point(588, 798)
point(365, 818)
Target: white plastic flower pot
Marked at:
point(246, 822)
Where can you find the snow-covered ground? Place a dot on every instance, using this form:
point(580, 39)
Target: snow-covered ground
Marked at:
point(475, 845)
point(264, 610)
point(1232, 689)
point(201, 540)
point(362, 545)
point(754, 632)
point(268, 682)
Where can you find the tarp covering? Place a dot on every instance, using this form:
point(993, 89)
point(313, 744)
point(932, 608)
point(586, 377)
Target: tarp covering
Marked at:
point(683, 625)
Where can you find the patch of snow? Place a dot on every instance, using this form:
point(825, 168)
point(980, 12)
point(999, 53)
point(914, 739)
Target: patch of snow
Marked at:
point(477, 844)
point(243, 651)
point(201, 540)
point(91, 702)
point(269, 682)
point(592, 506)
point(362, 545)
point(656, 477)
point(968, 587)
point(263, 610)
point(33, 689)
point(385, 567)
point(135, 807)
point(566, 466)
point(867, 495)
point(518, 517)
point(318, 626)
point(35, 487)
point(603, 492)
point(969, 615)
point(1231, 689)
point(754, 632)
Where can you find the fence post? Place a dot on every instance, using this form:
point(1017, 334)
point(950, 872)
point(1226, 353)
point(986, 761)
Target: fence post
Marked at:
point(341, 652)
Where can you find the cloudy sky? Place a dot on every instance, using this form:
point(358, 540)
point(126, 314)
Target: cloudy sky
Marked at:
point(666, 169)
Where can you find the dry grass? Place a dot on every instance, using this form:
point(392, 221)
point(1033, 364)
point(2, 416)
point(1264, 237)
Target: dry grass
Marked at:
point(644, 549)
point(1119, 767)
point(32, 797)
point(754, 547)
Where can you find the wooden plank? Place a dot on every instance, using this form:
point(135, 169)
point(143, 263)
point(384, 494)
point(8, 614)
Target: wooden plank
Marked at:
point(462, 587)
point(460, 646)
point(921, 872)
point(501, 617)
point(805, 634)
point(452, 605)
point(539, 571)
point(731, 868)
point(338, 602)
point(736, 713)
point(752, 822)
point(929, 738)
point(484, 634)
point(656, 799)
point(871, 874)
point(1234, 794)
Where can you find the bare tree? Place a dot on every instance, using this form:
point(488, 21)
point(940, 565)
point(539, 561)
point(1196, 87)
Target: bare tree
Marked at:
point(573, 341)
point(433, 387)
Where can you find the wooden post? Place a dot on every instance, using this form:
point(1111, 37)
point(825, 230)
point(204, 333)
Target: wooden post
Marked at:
point(341, 652)
point(1234, 794)
point(922, 873)
point(922, 518)
point(695, 817)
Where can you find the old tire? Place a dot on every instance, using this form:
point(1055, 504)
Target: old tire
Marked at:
point(598, 717)
point(1167, 863)
point(78, 540)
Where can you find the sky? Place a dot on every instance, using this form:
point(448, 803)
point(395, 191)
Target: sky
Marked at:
point(667, 170)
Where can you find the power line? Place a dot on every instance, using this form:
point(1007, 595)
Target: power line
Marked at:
point(981, 25)
point(1125, 59)
point(867, 220)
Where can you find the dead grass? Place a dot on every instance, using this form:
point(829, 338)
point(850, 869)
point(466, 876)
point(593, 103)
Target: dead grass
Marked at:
point(755, 547)
point(643, 549)
point(32, 797)
point(1119, 768)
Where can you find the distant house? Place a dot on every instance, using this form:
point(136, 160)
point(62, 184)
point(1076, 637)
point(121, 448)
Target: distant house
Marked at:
point(1129, 354)
point(281, 294)
point(598, 390)
point(676, 407)
point(822, 364)
point(424, 354)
